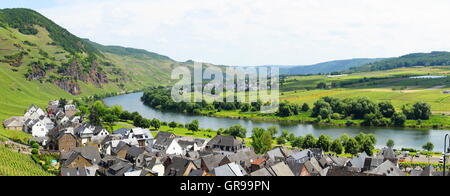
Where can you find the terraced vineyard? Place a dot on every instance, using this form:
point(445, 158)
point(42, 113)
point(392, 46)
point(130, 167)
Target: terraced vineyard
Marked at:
point(16, 164)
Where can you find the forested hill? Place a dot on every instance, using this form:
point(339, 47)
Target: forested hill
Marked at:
point(410, 60)
point(326, 67)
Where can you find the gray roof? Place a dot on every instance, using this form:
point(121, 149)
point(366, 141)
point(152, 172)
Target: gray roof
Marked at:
point(121, 131)
point(89, 152)
point(279, 169)
point(222, 140)
point(177, 167)
point(212, 161)
point(358, 162)
point(302, 154)
point(388, 169)
point(231, 169)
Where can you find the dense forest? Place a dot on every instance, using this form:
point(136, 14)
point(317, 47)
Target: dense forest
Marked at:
point(416, 59)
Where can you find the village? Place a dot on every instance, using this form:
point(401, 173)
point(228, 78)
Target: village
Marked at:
point(87, 150)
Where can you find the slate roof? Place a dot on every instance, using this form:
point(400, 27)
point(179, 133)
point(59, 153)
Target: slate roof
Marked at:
point(15, 121)
point(279, 169)
point(222, 140)
point(231, 169)
point(177, 167)
point(358, 162)
point(121, 131)
point(212, 161)
point(82, 171)
point(388, 169)
point(90, 153)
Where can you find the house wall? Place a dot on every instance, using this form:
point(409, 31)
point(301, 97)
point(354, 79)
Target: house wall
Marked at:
point(174, 148)
point(67, 142)
point(159, 168)
point(14, 128)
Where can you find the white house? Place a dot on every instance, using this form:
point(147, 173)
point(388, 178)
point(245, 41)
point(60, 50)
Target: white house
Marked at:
point(34, 112)
point(39, 129)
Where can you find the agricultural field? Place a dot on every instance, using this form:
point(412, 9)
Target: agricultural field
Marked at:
point(391, 85)
point(17, 164)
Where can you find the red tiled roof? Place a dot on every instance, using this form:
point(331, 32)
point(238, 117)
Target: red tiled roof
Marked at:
point(258, 161)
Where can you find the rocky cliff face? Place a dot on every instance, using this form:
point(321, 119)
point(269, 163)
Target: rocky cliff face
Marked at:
point(93, 74)
point(37, 72)
point(70, 86)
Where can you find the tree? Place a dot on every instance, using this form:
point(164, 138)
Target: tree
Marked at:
point(110, 119)
point(428, 146)
point(173, 125)
point(386, 109)
point(62, 103)
point(351, 146)
point(246, 107)
point(422, 111)
point(390, 144)
point(366, 142)
point(284, 133)
point(273, 130)
point(305, 107)
point(321, 85)
point(324, 143)
point(309, 142)
point(193, 126)
point(398, 119)
point(337, 146)
point(236, 131)
point(155, 123)
point(261, 140)
point(281, 140)
point(96, 113)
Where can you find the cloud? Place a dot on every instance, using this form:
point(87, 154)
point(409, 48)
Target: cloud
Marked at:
point(248, 32)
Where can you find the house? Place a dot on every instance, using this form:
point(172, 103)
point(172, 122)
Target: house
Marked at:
point(67, 141)
point(140, 172)
point(388, 154)
point(188, 146)
point(278, 154)
point(198, 172)
point(151, 163)
point(87, 133)
point(358, 162)
point(179, 167)
point(14, 123)
point(279, 169)
point(163, 140)
point(119, 168)
point(121, 150)
point(346, 171)
point(371, 163)
point(300, 157)
point(224, 144)
point(34, 112)
point(122, 131)
point(133, 153)
point(313, 167)
point(243, 157)
point(143, 136)
point(36, 128)
point(298, 169)
point(82, 157)
point(230, 169)
point(209, 162)
point(257, 164)
point(387, 168)
point(80, 171)
point(70, 110)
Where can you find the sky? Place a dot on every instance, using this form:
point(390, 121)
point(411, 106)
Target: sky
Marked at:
point(256, 32)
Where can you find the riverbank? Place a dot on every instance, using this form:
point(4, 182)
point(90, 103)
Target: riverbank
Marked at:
point(436, 121)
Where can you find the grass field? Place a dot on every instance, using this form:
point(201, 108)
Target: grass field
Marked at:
point(392, 85)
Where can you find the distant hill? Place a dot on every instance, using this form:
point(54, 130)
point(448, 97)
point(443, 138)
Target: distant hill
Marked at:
point(415, 59)
point(326, 67)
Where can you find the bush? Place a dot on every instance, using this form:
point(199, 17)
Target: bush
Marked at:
point(35, 151)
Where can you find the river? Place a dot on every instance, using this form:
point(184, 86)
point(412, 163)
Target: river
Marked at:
point(410, 138)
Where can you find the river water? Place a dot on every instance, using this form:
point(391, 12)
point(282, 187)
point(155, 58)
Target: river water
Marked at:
point(410, 138)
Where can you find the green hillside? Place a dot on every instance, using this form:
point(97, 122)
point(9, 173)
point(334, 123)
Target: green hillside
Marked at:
point(410, 60)
point(326, 67)
point(17, 164)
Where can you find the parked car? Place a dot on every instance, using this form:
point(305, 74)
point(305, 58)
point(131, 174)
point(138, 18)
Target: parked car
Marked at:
point(417, 154)
point(402, 159)
point(441, 160)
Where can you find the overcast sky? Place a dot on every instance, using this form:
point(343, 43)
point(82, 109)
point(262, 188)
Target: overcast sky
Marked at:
point(257, 32)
